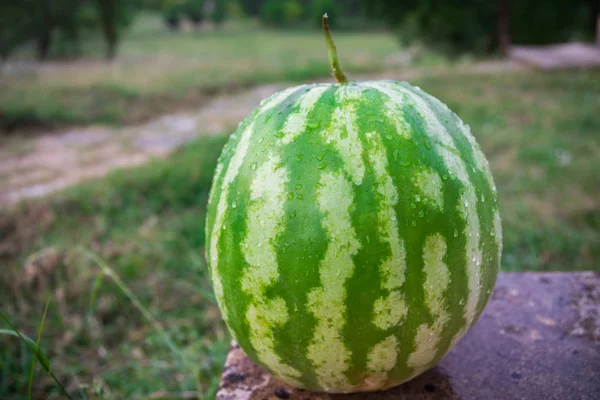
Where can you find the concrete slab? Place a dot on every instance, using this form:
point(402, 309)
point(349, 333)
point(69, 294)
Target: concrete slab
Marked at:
point(539, 338)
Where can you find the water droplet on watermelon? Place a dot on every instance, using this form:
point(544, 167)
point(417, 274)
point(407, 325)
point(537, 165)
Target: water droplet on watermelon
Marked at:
point(234, 205)
point(267, 118)
point(413, 223)
point(394, 217)
point(253, 165)
point(421, 213)
point(492, 233)
point(300, 196)
point(482, 198)
point(445, 177)
point(455, 233)
point(396, 155)
point(389, 137)
point(405, 163)
point(299, 186)
point(417, 198)
point(290, 196)
point(427, 145)
point(461, 302)
point(293, 215)
point(322, 166)
point(413, 204)
point(299, 157)
point(466, 203)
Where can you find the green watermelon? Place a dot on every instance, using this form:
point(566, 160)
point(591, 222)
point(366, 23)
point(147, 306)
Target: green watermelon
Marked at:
point(353, 233)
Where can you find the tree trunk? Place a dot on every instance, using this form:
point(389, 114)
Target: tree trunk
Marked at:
point(596, 14)
point(44, 33)
point(43, 44)
point(108, 21)
point(111, 49)
point(504, 26)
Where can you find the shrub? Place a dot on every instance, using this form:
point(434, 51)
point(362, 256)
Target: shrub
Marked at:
point(173, 13)
point(320, 7)
point(281, 13)
point(194, 11)
point(219, 13)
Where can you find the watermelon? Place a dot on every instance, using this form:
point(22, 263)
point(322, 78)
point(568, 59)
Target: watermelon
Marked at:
point(353, 233)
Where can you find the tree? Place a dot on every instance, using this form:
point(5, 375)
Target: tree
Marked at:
point(281, 12)
point(219, 12)
point(483, 26)
point(15, 27)
point(320, 7)
point(504, 26)
point(194, 11)
point(44, 29)
point(113, 15)
point(252, 7)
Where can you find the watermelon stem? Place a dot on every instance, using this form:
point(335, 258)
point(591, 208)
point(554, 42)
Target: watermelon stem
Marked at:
point(336, 68)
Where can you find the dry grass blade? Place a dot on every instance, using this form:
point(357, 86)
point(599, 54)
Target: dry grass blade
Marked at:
point(41, 357)
point(37, 346)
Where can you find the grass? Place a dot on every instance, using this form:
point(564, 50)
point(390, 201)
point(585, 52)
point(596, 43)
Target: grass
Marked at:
point(538, 130)
point(158, 71)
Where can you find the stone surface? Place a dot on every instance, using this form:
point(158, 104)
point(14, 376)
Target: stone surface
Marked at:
point(539, 338)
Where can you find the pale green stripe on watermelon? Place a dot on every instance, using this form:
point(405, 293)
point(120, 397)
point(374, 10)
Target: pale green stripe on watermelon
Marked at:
point(437, 279)
point(497, 232)
point(327, 350)
point(342, 133)
point(481, 162)
point(393, 107)
point(468, 209)
point(467, 205)
point(389, 309)
point(381, 360)
point(480, 239)
point(265, 222)
point(307, 161)
point(442, 139)
point(296, 122)
point(430, 185)
point(231, 173)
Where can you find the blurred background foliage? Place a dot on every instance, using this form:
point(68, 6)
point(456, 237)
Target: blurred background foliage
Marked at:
point(190, 66)
point(456, 26)
point(57, 28)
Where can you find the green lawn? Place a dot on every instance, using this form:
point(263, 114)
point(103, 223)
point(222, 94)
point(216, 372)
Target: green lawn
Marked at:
point(539, 131)
point(158, 71)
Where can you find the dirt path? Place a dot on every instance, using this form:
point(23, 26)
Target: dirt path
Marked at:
point(559, 56)
point(35, 166)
